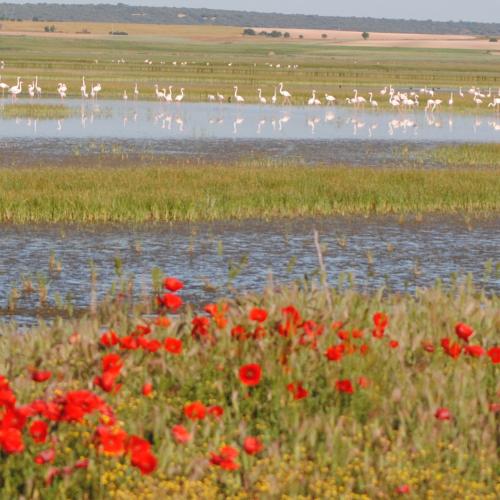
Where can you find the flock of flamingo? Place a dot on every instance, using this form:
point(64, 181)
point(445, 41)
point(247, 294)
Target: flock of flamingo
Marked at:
point(396, 99)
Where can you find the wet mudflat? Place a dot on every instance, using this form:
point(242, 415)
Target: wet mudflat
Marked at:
point(214, 257)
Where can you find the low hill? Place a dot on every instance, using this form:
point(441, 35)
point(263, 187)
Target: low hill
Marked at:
point(122, 13)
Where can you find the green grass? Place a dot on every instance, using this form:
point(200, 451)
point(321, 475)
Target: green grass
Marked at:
point(327, 68)
point(37, 111)
point(367, 444)
point(467, 154)
point(189, 193)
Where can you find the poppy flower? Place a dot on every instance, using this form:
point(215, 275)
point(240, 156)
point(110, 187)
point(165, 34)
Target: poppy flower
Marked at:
point(200, 328)
point(403, 489)
point(109, 338)
point(494, 354)
point(216, 411)
point(476, 351)
point(363, 349)
point(453, 349)
point(393, 344)
point(181, 434)
point(147, 389)
point(11, 440)
point(259, 315)
point(344, 386)
point(173, 345)
point(195, 410)
point(173, 284)
point(112, 363)
point(298, 391)
point(38, 430)
point(40, 376)
point(45, 457)
point(464, 331)
point(145, 461)
point(337, 325)
point(443, 414)
point(171, 301)
point(343, 335)
point(380, 320)
point(226, 458)
point(83, 463)
point(494, 407)
point(130, 343)
point(363, 382)
point(357, 334)
point(162, 322)
point(250, 374)
point(428, 346)
point(238, 332)
point(153, 345)
point(335, 353)
point(252, 445)
point(111, 440)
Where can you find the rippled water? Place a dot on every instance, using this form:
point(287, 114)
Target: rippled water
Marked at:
point(377, 251)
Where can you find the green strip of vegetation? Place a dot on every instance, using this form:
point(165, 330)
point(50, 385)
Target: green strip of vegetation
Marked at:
point(189, 193)
point(37, 111)
point(468, 154)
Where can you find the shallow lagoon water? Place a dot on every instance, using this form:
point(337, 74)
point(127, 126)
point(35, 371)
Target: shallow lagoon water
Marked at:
point(378, 251)
point(152, 120)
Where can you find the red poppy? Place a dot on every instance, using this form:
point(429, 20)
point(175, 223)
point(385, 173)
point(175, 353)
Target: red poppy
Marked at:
point(142, 330)
point(136, 444)
point(145, 461)
point(344, 386)
point(363, 382)
point(238, 332)
point(181, 434)
point(335, 353)
point(259, 315)
point(443, 414)
point(200, 328)
point(357, 334)
point(453, 349)
point(45, 457)
point(428, 346)
point(337, 325)
point(252, 445)
point(380, 320)
point(215, 411)
point(363, 349)
point(403, 489)
point(226, 458)
point(40, 376)
point(476, 351)
point(152, 345)
point(343, 335)
point(109, 338)
point(494, 407)
point(147, 389)
point(298, 391)
point(494, 354)
point(250, 374)
point(195, 410)
point(173, 284)
point(112, 363)
point(11, 440)
point(464, 331)
point(171, 301)
point(111, 440)
point(130, 343)
point(393, 344)
point(173, 345)
point(162, 322)
point(38, 430)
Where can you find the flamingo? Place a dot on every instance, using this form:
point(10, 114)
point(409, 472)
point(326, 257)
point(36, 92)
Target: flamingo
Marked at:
point(31, 89)
point(274, 98)
point(62, 89)
point(125, 96)
point(262, 100)
point(159, 94)
point(330, 99)
point(313, 101)
point(372, 101)
point(83, 88)
point(460, 93)
point(180, 97)
point(37, 88)
point(495, 103)
point(96, 90)
point(383, 91)
point(358, 99)
point(287, 97)
point(220, 97)
point(450, 102)
point(239, 99)
point(168, 97)
point(211, 98)
point(477, 100)
point(3, 86)
point(16, 89)
point(136, 91)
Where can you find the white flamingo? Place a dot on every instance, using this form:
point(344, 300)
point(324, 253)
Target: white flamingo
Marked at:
point(4, 86)
point(220, 97)
point(373, 102)
point(287, 97)
point(62, 89)
point(274, 98)
point(239, 99)
point(330, 99)
point(262, 100)
point(31, 89)
point(180, 97)
point(125, 96)
point(37, 88)
point(169, 97)
point(313, 101)
point(95, 90)
point(136, 91)
point(83, 89)
point(450, 101)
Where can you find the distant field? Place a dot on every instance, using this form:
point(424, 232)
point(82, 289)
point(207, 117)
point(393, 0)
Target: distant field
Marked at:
point(216, 58)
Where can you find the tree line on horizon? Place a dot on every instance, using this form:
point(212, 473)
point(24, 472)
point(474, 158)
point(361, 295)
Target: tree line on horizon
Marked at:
point(122, 13)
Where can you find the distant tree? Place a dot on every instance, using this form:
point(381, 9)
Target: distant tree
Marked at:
point(249, 32)
point(365, 35)
point(275, 34)
point(493, 39)
point(286, 34)
point(324, 35)
point(263, 33)
point(301, 36)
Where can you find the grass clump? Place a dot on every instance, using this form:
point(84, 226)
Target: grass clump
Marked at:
point(37, 111)
point(342, 394)
point(220, 192)
point(467, 154)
